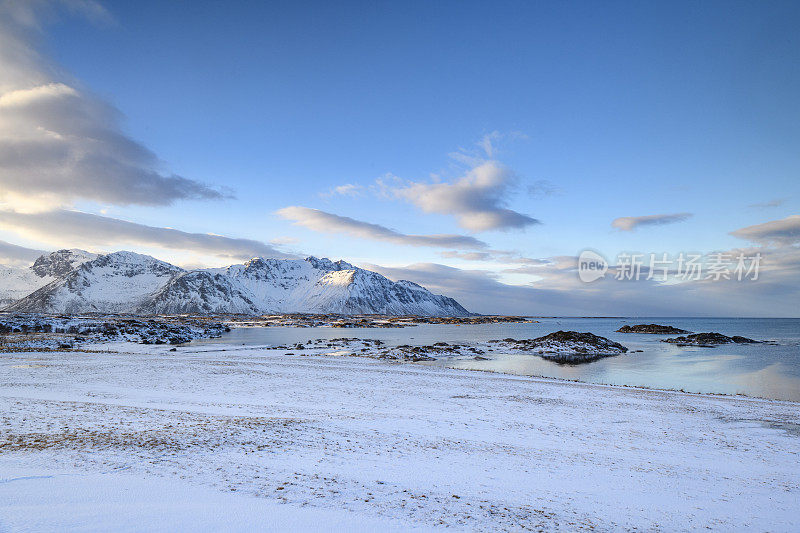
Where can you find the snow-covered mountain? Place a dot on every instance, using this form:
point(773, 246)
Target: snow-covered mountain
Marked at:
point(16, 283)
point(113, 283)
point(129, 282)
point(200, 291)
point(60, 263)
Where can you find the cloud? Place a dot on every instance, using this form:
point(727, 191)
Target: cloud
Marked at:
point(784, 231)
point(631, 223)
point(12, 254)
point(528, 261)
point(481, 292)
point(477, 200)
point(485, 148)
point(467, 256)
point(348, 189)
point(284, 240)
point(772, 203)
point(542, 189)
point(558, 272)
point(65, 228)
point(29, 13)
point(58, 142)
point(559, 292)
point(323, 222)
point(487, 143)
point(499, 256)
point(384, 186)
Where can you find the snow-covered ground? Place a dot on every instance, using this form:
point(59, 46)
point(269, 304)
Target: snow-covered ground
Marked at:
point(241, 438)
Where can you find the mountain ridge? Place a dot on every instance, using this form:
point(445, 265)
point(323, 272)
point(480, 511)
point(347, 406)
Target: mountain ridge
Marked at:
point(74, 281)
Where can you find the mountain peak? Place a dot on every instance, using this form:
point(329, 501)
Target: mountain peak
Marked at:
point(61, 262)
point(324, 263)
point(254, 260)
point(125, 255)
point(344, 265)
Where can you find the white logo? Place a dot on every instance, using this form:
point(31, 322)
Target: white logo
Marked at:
point(591, 266)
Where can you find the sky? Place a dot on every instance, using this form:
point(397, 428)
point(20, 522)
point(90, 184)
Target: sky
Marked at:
point(475, 148)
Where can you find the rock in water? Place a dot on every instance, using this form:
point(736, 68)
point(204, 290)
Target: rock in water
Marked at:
point(709, 340)
point(655, 329)
point(567, 346)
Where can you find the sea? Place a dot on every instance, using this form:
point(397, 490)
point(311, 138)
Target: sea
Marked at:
point(769, 370)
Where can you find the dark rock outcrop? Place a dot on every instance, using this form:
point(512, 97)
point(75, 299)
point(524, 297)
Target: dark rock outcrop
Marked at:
point(567, 346)
point(59, 264)
point(654, 329)
point(709, 340)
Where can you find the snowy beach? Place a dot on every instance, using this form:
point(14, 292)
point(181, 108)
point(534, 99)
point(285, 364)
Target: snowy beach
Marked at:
point(225, 437)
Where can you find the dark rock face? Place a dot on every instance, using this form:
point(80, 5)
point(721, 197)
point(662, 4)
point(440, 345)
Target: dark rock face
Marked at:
point(59, 264)
point(655, 329)
point(326, 264)
point(567, 346)
point(199, 292)
point(709, 340)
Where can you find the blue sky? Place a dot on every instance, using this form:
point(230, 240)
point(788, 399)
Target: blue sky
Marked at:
point(593, 111)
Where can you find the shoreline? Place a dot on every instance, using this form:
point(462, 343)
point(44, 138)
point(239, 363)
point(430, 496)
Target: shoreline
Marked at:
point(232, 348)
point(499, 372)
point(210, 331)
point(740, 396)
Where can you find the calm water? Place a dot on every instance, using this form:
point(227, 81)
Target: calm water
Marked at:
point(755, 370)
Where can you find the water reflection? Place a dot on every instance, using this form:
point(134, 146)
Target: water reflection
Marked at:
point(755, 370)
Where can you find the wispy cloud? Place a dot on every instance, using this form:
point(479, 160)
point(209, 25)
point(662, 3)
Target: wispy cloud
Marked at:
point(348, 189)
point(771, 203)
point(542, 188)
point(63, 227)
point(785, 231)
point(487, 143)
point(28, 14)
point(60, 143)
point(485, 148)
point(467, 256)
point(323, 222)
point(477, 199)
point(631, 223)
point(283, 240)
point(498, 256)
